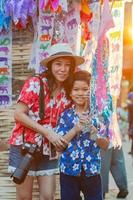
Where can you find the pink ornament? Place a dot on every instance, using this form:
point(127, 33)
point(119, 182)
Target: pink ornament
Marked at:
point(54, 4)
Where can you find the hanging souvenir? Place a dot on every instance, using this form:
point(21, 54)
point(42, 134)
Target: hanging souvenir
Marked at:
point(85, 17)
point(42, 39)
point(5, 68)
point(52, 5)
point(4, 19)
point(72, 22)
point(59, 32)
point(105, 25)
point(20, 11)
point(115, 36)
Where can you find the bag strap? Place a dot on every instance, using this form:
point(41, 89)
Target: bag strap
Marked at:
point(41, 101)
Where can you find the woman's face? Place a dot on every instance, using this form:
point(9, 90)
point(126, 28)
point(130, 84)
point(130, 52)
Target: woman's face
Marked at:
point(60, 68)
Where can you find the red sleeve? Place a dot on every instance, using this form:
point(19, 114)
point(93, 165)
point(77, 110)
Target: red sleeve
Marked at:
point(30, 91)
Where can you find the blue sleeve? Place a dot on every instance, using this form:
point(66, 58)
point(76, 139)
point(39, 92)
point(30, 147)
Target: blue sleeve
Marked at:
point(64, 124)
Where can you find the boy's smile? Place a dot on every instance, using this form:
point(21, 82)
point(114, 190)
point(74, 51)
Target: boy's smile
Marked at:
point(80, 94)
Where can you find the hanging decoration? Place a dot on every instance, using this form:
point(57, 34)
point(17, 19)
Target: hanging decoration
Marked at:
point(100, 97)
point(105, 25)
point(5, 68)
point(59, 32)
point(85, 18)
point(4, 19)
point(72, 22)
point(42, 40)
point(91, 44)
point(49, 4)
point(53, 5)
point(115, 36)
point(45, 33)
point(57, 21)
point(21, 11)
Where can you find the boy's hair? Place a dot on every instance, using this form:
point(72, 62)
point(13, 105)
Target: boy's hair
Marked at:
point(82, 75)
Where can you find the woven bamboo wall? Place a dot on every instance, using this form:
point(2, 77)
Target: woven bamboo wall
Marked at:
point(22, 41)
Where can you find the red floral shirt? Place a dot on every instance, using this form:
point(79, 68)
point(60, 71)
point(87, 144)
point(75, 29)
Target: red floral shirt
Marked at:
point(53, 108)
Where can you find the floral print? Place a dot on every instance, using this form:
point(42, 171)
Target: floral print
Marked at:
point(81, 153)
point(53, 108)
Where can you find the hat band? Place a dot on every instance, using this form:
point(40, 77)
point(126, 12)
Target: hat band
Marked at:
point(63, 52)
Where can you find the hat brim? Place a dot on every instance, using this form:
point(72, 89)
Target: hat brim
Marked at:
point(78, 59)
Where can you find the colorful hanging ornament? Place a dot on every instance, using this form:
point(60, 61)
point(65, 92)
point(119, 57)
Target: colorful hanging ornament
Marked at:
point(85, 18)
point(101, 99)
point(42, 4)
point(85, 13)
point(86, 32)
point(101, 86)
point(4, 19)
point(52, 5)
point(20, 11)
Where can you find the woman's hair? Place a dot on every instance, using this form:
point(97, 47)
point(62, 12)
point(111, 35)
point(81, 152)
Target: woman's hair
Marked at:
point(51, 78)
point(81, 75)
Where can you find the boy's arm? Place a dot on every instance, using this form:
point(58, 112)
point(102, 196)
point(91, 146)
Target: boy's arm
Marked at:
point(76, 130)
point(66, 133)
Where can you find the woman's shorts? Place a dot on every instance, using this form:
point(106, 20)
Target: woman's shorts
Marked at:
point(38, 167)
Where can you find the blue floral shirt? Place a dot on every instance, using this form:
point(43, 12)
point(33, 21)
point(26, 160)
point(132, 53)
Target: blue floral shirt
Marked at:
point(81, 153)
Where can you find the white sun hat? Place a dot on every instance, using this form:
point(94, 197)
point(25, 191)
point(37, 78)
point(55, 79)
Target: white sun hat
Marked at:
point(62, 50)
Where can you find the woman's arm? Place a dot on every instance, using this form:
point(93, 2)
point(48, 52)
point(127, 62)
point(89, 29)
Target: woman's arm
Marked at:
point(21, 115)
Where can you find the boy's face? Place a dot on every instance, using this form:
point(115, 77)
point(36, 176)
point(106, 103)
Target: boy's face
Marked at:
point(80, 93)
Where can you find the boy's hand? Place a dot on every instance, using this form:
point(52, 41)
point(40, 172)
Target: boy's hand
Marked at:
point(78, 127)
point(85, 122)
point(103, 143)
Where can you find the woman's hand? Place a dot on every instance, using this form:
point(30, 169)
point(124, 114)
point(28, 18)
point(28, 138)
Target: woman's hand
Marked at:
point(58, 141)
point(60, 144)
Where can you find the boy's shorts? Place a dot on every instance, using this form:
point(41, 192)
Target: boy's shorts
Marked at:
point(38, 167)
point(71, 186)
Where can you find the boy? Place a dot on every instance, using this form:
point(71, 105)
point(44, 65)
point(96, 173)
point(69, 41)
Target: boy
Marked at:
point(80, 162)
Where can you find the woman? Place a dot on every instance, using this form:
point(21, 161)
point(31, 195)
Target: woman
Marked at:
point(29, 128)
